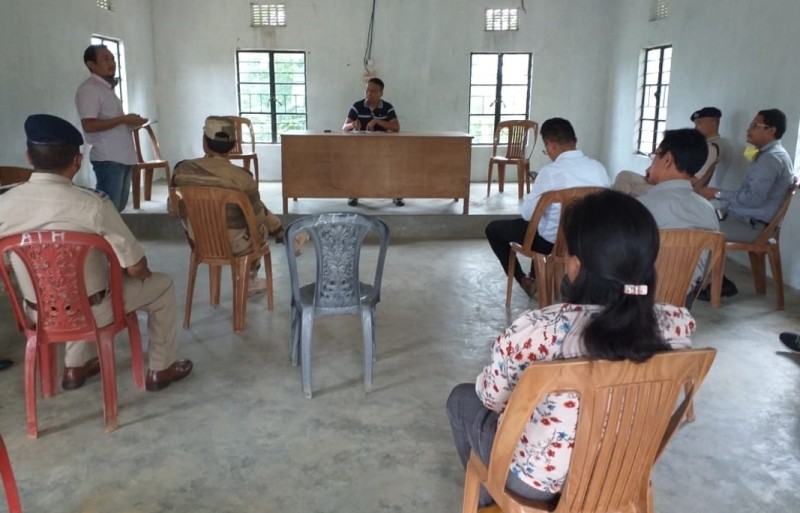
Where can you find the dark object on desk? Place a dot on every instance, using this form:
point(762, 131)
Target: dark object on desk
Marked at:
point(326, 131)
point(5, 364)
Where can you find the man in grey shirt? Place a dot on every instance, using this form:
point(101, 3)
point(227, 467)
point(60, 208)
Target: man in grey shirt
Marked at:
point(747, 210)
point(672, 201)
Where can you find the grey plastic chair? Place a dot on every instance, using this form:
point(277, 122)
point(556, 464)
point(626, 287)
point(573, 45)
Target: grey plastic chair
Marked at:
point(337, 239)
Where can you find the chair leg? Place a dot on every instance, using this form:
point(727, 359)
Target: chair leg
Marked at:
point(501, 177)
point(214, 281)
point(777, 274)
point(368, 336)
point(48, 369)
point(759, 267)
point(305, 348)
point(716, 283)
point(108, 380)
point(137, 358)
point(136, 182)
point(240, 272)
point(30, 386)
point(294, 342)
point(512, 265)
point(268, 275)
point(9, 483)
point(255, 167)
point(187, 315)
point(520, 179)
point(687, 389)
point(148, 184)
point(489, 179)
point(472, 489)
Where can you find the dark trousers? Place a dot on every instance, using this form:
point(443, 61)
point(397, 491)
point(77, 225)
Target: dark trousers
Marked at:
point(503, 232)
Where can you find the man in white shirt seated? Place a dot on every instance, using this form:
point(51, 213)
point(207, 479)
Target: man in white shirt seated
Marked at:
point(570, 168)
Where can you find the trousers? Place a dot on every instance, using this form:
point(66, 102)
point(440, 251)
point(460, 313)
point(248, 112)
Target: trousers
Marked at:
point(114, 179)
point(502, 232)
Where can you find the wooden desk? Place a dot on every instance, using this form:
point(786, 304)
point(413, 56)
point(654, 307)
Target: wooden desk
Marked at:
point(375, 165)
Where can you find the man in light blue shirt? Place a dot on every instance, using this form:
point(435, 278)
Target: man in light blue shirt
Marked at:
point(570, 168)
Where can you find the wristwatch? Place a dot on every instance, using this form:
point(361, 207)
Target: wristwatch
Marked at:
point(718, 195)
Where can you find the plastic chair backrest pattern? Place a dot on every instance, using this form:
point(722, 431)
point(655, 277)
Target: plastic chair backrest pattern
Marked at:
point(679, 253)
point(54, 262)
point(627, 416)
point(12, 174)
point(768, 243)
point(517, 139)
point(549, 268)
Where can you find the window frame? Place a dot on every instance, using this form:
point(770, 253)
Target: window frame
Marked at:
point(498, 98)
point(273, 115)
point(121, 88)
point(662, 87)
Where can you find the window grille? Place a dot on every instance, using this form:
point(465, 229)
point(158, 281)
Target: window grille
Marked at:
point(105, 4)
point(267, 15)
point(660, 10)
point(502, 19)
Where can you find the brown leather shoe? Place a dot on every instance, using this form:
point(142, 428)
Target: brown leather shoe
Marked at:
point(156, 380)
point(75, 377)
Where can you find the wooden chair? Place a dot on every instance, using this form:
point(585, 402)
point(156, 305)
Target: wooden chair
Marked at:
point(549, 268)
point(767, 244)
point(238, 151)
point(9, 483)
point(54, 261)
point(146, 165)
point(516, 145)
point(11, 174)
point(205, 211)
point(627, 417)
point(678, 256)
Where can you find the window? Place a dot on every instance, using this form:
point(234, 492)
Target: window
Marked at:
point(272, 91)
point(105, 4)
point(115, 47)
point(655, 96)
point(267, 15)
point(500, 89)
point(502, 19)
point(659, 10)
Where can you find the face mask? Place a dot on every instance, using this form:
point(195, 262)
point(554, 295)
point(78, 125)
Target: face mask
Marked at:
point(112, 80)
point(750, 152)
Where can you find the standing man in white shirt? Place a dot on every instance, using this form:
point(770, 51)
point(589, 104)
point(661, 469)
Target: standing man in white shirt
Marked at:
point(106, 126)
point(570, 168)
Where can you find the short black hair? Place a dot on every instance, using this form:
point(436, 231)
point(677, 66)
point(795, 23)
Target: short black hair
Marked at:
point(616, 240)
point(52, 157)
point(218, 146)
point(558, 130)
point(688, 147)
point(774, 118)
point(90, 54)
point(377, 81)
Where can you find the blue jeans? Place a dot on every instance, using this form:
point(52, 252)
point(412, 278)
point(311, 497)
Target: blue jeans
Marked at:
point(114, 179)
point(474, 427)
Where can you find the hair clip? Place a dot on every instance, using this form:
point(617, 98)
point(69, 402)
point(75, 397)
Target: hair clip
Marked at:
point(634, 290)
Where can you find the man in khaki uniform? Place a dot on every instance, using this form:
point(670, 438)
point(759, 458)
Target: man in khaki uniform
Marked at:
point(216, 171)
point(51, 201)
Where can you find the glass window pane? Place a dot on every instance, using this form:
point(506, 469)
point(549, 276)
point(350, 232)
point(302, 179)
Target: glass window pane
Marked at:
point(515, 100)
point(484, 69)
point(481, 128)
point(481, 99)
point(288, 122)
point(516, 68)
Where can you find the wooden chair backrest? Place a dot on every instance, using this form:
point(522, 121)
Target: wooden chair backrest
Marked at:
point(628, 414)
point(242, 123)
point(12, 174)
point(156, 150)
point(773, 229)
point(678, 256)
point(206, 210)
point(517, 140)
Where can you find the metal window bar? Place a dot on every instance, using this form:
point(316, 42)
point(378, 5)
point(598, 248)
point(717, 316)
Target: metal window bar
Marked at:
point(660, 10)
point(502, 19)
point(497, 103)
point(660, 94)
point(105, 4)
point(267, 15)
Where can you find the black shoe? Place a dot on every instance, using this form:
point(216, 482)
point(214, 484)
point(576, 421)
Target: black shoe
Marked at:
point(5, 364)
point(398, 202)
point(728, 290)
point(791, 340)
point(352, 202)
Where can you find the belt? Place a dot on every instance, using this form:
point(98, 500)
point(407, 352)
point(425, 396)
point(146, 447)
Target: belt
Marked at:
point(94, 300)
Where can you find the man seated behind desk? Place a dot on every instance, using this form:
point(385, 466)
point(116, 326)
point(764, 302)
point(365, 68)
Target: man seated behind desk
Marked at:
point(671, 200)
point(216, 171)
point(706, 121)
point(50, 201)
point(372, 114)
point(570, 168)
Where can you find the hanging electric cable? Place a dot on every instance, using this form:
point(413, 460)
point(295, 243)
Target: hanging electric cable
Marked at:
point(368, 50)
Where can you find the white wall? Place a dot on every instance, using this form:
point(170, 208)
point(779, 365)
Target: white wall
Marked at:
point(421, 50)
point(738, 55)
point(41, 51)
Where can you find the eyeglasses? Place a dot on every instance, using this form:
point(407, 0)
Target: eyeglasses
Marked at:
point(544, 151)
point(657, 153)
point(753, 126)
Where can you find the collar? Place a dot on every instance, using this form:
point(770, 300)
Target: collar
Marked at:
point(769, 146)
point(102, 80)
point(675, 183)
point(380, 104)
point(570, 154)
point(52, 178)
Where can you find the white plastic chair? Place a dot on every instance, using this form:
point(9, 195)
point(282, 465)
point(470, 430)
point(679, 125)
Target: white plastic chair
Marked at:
point(337, 239)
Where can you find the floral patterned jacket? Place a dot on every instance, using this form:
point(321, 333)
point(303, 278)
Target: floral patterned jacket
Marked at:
point(553, 333)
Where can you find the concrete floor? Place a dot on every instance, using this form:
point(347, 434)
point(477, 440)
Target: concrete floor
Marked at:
point(238, 436)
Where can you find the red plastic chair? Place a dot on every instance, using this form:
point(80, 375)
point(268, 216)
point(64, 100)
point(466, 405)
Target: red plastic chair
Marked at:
point(54, 261)
point(9, 483)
